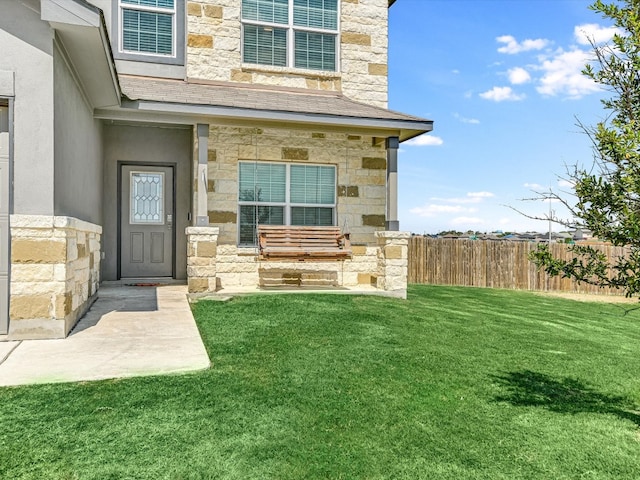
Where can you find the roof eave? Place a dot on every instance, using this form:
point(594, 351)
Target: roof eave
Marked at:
point(81, 28)
point(164, 112)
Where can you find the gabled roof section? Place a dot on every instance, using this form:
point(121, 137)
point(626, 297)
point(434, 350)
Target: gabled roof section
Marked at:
point(254, 102)
point(83, 34)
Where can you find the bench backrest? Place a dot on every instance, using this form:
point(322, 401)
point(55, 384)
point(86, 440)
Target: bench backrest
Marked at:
point(283, 241)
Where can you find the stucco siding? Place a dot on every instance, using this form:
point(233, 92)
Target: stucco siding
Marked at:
point(145, 145)
point(78, 149)
point(27, 51)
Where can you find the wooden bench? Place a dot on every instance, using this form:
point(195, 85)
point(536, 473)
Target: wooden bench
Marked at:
point(283, 242)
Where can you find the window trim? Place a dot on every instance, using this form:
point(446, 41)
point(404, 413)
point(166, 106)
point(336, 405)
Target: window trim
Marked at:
point(291, 28)
point(178, 13)
point(287, 204)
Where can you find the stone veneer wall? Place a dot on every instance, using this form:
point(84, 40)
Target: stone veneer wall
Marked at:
point(202, 250)
point(214, 259)
point(361, 173)
point(214, 51)
point(55, 274)
point(393, 262)
point(213, 267)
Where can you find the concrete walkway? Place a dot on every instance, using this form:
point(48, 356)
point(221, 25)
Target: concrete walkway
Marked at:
point(129, 331)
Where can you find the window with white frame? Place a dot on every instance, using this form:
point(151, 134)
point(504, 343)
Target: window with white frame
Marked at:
point(291, 33)
point(284, 194)
point(147, 27)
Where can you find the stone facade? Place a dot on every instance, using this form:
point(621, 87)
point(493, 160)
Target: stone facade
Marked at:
point(214, 51)
point(361, 173)
point(393, 263)
point(241, 267)
point(202, 253)
point(55, 273)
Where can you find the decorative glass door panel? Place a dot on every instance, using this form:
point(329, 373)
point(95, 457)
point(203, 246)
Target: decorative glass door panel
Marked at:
point(147, 198)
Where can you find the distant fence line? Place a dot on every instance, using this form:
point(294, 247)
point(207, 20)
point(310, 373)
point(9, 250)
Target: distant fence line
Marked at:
point(494, 264)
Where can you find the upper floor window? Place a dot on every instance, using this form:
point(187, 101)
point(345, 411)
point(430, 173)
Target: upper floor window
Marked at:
point(291, 33)
point(150, 30)
point(148, 26)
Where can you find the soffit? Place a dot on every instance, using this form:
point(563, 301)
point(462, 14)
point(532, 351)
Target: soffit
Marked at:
point(81, 30)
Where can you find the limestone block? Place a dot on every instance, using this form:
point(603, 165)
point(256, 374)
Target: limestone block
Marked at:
point(63, 305)
point(213, 11)
point(226, 250)
point(374, 163)
point(295, 153)
point(199, 41)
point(355, 38)
point(198, 285)
point(206, 249)
point(32, 272)
point(222, 217)
point(38, 251)
point(201, 271)
point(395, 252)
point(30, 306)
point(199, 261)
point(194, 8)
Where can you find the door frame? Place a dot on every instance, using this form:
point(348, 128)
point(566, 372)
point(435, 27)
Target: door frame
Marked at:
point(126, 163)
point(4, 313)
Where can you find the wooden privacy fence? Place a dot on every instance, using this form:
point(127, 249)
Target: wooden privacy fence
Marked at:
point(494, 264)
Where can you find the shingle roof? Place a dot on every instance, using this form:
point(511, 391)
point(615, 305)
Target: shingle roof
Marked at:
point(255, 98)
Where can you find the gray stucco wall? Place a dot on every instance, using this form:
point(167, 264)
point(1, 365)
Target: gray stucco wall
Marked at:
point(147, 67)
point(145, 145)
point(27, 50)
point(78, 150)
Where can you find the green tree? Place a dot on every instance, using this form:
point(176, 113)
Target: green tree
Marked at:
point(608, 193)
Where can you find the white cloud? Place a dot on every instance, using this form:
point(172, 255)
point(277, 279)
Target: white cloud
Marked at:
point(425, 140)
point(563, 75)
point(432, 210)
point(534, 186)
point(466, 221)
point(451, 205)
point(512, 46)
point(518, 76)
point(588, 32)
point(566, 184)
point(471, 197)
point(473, 121)
point(455, 71)
point(501, 94)
point(480, 194)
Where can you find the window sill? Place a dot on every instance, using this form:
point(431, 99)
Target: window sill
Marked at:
point(322, 74)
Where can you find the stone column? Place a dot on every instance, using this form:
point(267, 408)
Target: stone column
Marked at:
point(202, 248)
point(392, 224)
point(393, 250)
point(202, 216)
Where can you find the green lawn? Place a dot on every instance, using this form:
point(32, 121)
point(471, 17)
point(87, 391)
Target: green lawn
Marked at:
point(454, 383)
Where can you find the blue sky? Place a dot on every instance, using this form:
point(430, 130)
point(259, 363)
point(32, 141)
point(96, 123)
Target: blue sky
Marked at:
point(501, 80)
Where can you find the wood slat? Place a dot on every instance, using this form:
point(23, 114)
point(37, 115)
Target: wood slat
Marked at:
point(302, 243)
point(497, 264)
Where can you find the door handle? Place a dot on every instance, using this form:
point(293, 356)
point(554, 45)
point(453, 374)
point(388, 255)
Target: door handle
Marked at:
point(169, 220)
